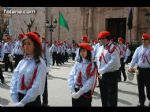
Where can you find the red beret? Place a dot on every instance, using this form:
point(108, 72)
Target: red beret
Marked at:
point(145, 36)
point(55, 41)
point(120, 39)
point(21, 35)
point(37, 34)
point(127, 42)
point(95, 41)
point(47, 42)
point(33, 36)
point(85, 38)
point(43, 38)
point(86, 46)
point(112, 40)
point(103, 34)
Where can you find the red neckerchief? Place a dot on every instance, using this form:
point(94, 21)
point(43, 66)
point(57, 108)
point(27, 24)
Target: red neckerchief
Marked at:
point(89, 74)
point(144, 56)
point(23, 86)
point(109, 50)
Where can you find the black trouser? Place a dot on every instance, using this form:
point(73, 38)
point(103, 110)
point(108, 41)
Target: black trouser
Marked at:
point(66, 56)
point(7, 62)
point(82, 101)
point(58, 60)
point(17, 59)
point(143, 80)
point(109, 89)
point(1, 75)
point(35, 103)
point(73, 56)
point(54, 56)
point(122, 69)
point(45, 94)
point(63, 58)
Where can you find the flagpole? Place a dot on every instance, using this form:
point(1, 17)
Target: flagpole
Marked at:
point(130, 35)
point(59, 27)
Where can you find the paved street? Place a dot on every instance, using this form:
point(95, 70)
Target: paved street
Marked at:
point(59, 93)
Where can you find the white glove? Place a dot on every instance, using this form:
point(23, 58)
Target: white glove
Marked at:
point(19, 104)
point(76, 95)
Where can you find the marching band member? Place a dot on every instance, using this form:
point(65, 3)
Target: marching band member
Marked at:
point(108, 63)
point(127, 52)
point(7, 50)
point(141, 60)
point(46, 57)
point(73, 51)
point(54, 52)
point(82, 79)
point(27, 85)
point(17, 51)
point(122, 49)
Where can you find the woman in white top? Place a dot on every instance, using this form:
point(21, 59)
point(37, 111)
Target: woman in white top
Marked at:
point(28, 80)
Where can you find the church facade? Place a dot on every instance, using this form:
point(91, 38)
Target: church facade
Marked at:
point(84, 21)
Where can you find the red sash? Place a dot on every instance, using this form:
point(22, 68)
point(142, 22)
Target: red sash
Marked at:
point(23, 86)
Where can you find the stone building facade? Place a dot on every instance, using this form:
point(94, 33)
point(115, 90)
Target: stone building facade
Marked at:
point(84, 21)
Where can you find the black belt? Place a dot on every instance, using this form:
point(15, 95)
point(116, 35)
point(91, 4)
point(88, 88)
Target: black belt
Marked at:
point(143, 68)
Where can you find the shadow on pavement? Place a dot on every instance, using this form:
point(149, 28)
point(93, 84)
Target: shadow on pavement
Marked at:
point(127, 92)
point(124, 102)
point(51, 77)
point(53, 67)
point(4, 101)
point(131, 83)
point(96, 95)
point(67, 65)
point(5, 86)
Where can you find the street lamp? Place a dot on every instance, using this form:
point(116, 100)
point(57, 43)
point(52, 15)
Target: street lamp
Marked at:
point(51, 25)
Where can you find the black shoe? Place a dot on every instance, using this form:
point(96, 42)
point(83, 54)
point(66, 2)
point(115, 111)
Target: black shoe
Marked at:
point(2, 80)
point(125, 79)
point(141, 105)
point(119, 80)
point(45, 105)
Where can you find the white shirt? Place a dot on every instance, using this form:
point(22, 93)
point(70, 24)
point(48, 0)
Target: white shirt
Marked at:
point(122, 50)
point(17, 48)
point(45, 54)
point(87, 82)
point(54, 48)
point(127, 54)
point(139, 57)
point(24, 67)
point(112, 59)
point(96, 48)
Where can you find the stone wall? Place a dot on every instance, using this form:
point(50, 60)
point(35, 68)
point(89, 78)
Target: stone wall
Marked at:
point(74, 18)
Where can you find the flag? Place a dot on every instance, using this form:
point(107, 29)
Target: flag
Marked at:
point(63, 22)
point(130, 17)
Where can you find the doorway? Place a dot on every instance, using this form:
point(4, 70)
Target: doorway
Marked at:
point(117, 27)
